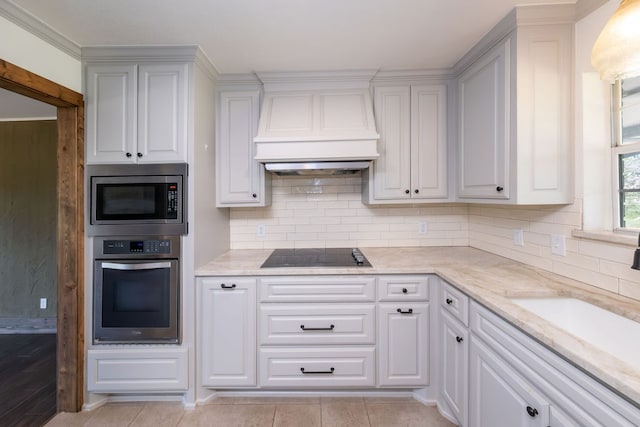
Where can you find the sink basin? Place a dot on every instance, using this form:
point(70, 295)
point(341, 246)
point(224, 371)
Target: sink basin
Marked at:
point(601, 328)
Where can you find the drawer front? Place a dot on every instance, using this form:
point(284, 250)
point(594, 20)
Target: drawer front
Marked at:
point(317, 367)
point(455, 302)
point(120, 370)
point(403, 288)
point(310, 324)
point(317, 289)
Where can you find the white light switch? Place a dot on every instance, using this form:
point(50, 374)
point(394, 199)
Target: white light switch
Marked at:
point(558, 245)
point(43, 303)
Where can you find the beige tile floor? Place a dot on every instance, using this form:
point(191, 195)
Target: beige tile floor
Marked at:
point(263, 411)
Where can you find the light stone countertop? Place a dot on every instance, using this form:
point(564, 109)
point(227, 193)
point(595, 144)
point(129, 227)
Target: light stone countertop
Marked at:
point(490, 280)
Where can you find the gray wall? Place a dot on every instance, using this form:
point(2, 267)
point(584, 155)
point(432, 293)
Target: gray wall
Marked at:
point(27, 218)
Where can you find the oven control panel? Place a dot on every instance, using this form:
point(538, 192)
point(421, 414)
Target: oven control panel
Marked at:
point(114, 247)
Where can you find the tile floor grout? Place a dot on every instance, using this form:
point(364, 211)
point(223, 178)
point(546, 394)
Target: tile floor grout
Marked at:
point(320, 411)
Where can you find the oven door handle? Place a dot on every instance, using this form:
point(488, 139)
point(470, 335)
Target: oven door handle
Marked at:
point(139, 266)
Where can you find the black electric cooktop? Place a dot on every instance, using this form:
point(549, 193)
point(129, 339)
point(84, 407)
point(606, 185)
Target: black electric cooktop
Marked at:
point(323, 257)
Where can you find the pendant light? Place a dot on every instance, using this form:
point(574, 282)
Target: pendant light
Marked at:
point(616, 53)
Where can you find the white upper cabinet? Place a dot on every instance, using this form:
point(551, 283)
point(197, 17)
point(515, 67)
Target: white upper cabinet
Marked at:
point(136, 112)
point(483, 135)
point(241, 179)
point(514, 112)
point(412, 166)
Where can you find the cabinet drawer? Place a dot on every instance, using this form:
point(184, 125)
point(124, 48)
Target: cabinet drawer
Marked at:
point(124, 370)
point(455, 302)
point(317, 367)
point(317, 289)
point(403, 288)
point(304, 324)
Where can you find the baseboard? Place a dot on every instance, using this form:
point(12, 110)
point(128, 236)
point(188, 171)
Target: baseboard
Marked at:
point(17, 325)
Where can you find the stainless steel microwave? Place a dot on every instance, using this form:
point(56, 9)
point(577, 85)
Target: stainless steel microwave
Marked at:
point(137, 199)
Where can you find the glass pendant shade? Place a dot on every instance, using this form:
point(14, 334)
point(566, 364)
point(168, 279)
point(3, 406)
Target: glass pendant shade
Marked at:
point(616, 53)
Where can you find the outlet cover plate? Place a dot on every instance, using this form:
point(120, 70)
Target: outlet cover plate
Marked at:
point(518, 237)
point(558, 245)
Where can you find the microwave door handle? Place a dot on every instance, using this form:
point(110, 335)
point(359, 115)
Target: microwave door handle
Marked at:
point(140, 266)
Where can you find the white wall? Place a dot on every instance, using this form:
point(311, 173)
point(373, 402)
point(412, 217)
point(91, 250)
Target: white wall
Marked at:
point(25, 50)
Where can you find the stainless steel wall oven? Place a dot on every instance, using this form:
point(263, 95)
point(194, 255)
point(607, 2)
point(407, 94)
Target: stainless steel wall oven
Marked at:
point(136, 290)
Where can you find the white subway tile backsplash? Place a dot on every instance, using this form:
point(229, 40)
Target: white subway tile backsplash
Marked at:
point(328, 212)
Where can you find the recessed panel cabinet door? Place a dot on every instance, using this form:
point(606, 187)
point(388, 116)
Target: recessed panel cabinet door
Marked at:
point(111, 113)
point(228, 316)
point(483, 120)
point(162, 112)
point(428, 141)
point(454, 372)
point(241, 179)
point(500, 396)
point(392, 179)
point(403, 344)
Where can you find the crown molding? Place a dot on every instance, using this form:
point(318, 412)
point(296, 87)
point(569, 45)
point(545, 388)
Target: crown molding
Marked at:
point(38, 28)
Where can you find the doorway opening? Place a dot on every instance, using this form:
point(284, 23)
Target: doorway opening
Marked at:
point(69, 234)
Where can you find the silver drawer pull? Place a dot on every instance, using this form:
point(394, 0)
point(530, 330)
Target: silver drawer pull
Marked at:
point(317, 372)
point(330, 328)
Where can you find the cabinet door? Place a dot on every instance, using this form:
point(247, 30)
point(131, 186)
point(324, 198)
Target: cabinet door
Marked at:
point(391, 171)
point(499, 396)
point(162, 113)
point(403, 344)
point(428, 142)
point(483, 134)
point(228, 316)
point(240, 178)
point(454, 348)
point(111, 113)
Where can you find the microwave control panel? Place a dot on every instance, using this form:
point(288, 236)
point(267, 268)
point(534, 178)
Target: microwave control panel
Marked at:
point(172, 199)
point(113, 247)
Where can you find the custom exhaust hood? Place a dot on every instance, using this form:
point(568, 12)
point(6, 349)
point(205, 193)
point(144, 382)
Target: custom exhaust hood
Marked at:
point(316, 123)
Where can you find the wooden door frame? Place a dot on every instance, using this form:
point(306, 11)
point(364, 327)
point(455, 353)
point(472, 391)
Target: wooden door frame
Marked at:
point(69, 229)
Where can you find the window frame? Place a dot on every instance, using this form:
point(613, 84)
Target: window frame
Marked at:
point(619, 148)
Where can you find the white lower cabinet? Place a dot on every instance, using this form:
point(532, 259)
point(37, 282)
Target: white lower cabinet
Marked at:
point(575, 398)
point(499, 396)
point(228, 332)
point(317, 367)
point(454, 365)
point(403, 344)
point(328, 332)
point(118, 369)
point(301, 324)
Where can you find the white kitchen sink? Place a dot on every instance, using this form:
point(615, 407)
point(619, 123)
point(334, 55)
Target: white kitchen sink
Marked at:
point(610, 332)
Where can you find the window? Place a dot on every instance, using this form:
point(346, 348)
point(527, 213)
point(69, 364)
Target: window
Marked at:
point(626, 126)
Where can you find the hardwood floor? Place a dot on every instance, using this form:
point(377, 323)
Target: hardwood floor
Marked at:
point(28, 385)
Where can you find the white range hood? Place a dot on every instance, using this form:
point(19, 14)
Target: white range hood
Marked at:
point(310, 119)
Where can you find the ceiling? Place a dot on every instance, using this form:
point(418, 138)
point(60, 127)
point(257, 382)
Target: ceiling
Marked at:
point(242, 36)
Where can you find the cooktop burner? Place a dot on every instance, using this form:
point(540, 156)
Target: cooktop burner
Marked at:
point(322, 257)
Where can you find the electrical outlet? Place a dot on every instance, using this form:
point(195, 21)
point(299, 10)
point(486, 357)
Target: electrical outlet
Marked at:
point(558, 245)
point(518, 237)
point(261, 230)
point(422, 227)
point(43, 303)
